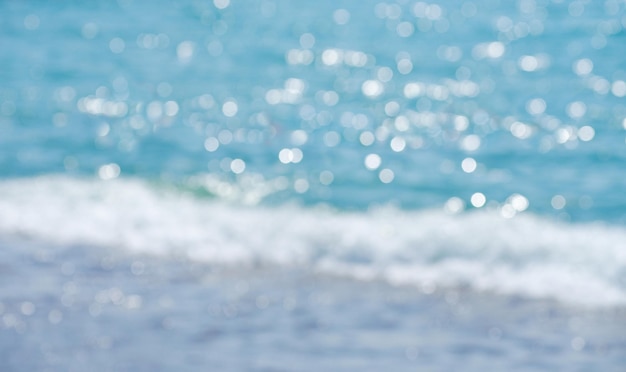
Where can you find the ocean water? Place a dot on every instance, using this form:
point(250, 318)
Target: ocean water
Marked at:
point(299, 186)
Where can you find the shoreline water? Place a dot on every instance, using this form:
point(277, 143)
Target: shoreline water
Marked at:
point(116, 311)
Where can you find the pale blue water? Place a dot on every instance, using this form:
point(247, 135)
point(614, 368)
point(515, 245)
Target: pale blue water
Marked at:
point(274, 185)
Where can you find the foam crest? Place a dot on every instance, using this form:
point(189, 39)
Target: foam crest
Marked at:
point(526, 255)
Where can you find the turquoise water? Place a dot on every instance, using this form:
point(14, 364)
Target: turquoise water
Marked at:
point(546, 104)
point(420, 157)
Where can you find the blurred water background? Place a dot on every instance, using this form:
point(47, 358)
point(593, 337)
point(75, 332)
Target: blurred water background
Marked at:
point(276, 185)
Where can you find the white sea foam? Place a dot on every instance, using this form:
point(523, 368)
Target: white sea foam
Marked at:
point(526, 255)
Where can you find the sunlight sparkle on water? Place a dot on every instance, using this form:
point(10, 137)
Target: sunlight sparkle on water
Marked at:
point(386, 175)
point(478, 199)
point(372, 88)
point(372, 161)
point(361, 102)
point(109, 171)
point(468, 165)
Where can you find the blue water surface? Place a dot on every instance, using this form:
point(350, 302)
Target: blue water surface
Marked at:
point(531, 92)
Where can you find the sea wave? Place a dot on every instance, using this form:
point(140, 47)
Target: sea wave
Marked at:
point(526, 255)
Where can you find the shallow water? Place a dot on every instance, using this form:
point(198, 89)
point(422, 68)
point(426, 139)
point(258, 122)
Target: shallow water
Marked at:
point(271, 185)
point(112, 312)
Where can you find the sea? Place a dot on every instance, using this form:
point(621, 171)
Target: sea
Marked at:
point(273, 185)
